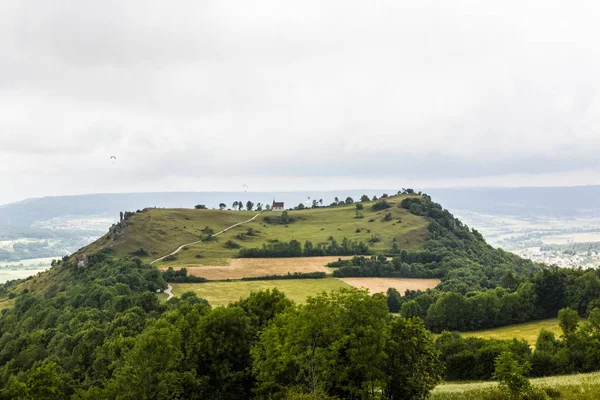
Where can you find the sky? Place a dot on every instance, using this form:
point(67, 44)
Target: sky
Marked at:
point(343, 94)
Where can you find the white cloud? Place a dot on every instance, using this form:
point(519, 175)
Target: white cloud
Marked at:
point(204, 93)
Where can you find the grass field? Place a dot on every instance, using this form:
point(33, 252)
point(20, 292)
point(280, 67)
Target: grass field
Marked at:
point(571, 387)
point(160, 231)
point(378, 285)
point(239, 268)
point(528, 331)
point(223, 293)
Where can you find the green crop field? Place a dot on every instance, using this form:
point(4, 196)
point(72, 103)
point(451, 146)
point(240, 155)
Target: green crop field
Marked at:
point(571, 387)
point(528, 331)
point(223, 293)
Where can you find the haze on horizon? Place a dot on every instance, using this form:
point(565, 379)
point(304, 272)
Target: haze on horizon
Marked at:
point(211, 95)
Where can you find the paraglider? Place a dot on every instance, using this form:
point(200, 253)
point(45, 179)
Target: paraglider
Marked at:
point(113, 159)
point(245, 187)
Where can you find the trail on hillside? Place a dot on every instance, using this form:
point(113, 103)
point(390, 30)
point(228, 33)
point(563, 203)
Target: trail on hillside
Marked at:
point(170, 288)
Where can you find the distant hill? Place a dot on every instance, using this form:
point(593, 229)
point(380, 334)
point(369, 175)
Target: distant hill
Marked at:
point(523, 201)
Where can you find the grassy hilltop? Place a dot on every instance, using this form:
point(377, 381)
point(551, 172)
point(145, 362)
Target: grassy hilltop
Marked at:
point(161, 231)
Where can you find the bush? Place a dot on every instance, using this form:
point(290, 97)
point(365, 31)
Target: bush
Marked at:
point(388, 217)
point(359, 206)
point(230, 244)
point(181, 276)
point(381, 205)
point(284, 219)
point(170, 257)
point(141, 252)
point(200, 207)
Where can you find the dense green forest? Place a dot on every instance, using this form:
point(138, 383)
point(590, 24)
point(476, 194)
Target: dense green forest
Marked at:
point(108, 336)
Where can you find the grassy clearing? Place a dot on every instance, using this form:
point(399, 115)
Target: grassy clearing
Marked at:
point(223, 293)
point(379, 285)
point(239, 268)
point(6, 303)
point(571, 387)
point(528, 331)
point(161, 231)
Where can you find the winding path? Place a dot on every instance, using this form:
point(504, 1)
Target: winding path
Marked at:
point(169, 290)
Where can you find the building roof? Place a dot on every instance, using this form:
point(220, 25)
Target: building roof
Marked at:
point(278, 204)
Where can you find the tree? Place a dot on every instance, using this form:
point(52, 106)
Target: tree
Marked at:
point(321, 202)
point(335, 344)
point(259, 206)
point(337, 200)
point(364, 198)
point(48, 381)
point(300, 206)
point(268, 207)
point(240, 205)
point(200, 207)
point(249, 205)
point(359, 206)
point(349, 200)
point(315, 204)
point(222, 206)
point(235, 205)
point(394, 300)
point(511, 375)
point(412, 368)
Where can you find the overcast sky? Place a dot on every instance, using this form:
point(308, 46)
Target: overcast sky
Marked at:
point(283, 95)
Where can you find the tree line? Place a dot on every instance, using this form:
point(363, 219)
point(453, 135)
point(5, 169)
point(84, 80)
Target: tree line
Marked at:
point(294, 248)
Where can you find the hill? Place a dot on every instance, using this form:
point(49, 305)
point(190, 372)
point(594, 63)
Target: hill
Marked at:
point(97, 329)
point(161, 231)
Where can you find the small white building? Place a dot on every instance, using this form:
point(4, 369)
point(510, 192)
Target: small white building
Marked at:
point(277, 206)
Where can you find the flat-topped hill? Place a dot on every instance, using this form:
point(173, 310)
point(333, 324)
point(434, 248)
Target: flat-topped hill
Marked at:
point(153, 233)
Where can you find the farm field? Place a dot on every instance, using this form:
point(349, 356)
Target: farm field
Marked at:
point(223, 293)
point(378, 285)
point(528, 331)
point(239, 268)
point(571, 387)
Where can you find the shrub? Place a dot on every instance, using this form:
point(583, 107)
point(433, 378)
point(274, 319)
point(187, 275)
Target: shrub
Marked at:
point(381, 205)
point(141, 252)
point(230, 244)
point(388, 217)
point(170, 257)
point(200, 207)
point(359, 206)
point(358, 215)
point(181, 276)
point(374, 239)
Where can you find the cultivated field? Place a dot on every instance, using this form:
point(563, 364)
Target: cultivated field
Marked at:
point(378, 285)
point(571, 387)
point(223, 293)
point(528, 331)
point(239, 268)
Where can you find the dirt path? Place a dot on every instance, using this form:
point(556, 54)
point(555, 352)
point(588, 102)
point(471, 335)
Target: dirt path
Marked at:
point(169, 290)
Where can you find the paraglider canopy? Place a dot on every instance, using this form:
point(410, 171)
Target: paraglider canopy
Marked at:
point(245, 187)
point(113, 159)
